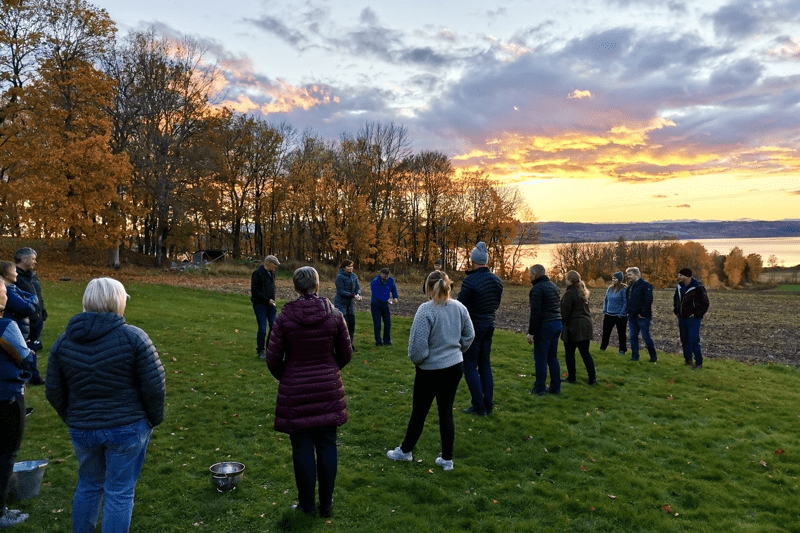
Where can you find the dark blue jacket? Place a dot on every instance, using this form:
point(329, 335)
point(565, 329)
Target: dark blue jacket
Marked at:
point(21, 305)
point(28, 282)
point(481, 292)
point(545, 302)
point(346, 288)
point(103, 373)
point(14, 358)
point(640, 299)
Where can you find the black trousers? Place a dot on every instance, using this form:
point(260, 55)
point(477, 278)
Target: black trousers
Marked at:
point(609, 323)
point(12, 425)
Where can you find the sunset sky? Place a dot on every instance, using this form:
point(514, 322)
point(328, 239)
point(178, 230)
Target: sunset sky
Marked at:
point(601, 111)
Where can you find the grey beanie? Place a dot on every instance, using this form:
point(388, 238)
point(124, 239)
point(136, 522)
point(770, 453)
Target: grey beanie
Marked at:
point(479, 255)
point(619, 275)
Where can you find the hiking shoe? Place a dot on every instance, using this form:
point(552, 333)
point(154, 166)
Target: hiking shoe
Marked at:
point(296, 507)
point(621, 352)
point(12, 518)
point(593, 381)
point(262, 355)
point(697, 367)
point(446, 465)
point(473, 411)
point(398, 455)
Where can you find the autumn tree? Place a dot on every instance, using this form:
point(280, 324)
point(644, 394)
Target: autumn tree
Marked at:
point(69, 175)
point(165, 95)
point(22, 31)
point(735, 264)
point(753, 268)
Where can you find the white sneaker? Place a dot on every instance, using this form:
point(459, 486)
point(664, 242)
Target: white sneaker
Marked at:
point(398, 455)
point(11, 518)
point(446, 465)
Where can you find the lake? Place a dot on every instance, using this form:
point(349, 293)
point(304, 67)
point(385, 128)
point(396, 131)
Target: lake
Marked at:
point(786, 249)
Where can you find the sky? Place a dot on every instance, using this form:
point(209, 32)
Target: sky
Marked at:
point(599, 110)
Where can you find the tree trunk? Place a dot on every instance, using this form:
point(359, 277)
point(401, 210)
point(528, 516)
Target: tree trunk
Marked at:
point(113, 257)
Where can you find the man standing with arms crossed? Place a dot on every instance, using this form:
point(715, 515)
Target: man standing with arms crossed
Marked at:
point(640, 313)
point(544, 330)
point(690, 303)
point(480, 293)
point(25, 258)
point(262, 294)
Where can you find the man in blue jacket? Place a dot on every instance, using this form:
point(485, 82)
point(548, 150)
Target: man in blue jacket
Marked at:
point(383, 289)
point(640, 313)
point(480, 293)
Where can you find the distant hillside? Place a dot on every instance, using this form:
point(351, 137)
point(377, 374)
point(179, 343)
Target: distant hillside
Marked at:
point(680, 229)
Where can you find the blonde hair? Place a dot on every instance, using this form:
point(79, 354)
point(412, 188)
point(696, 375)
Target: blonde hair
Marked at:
point(105, 295)
point(438, 287)
point(575, 279)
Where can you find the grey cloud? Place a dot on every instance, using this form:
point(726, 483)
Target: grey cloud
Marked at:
point(736, 77)
point(425, 56)
point(739, 19)
point(368, 16)
point(279, 29)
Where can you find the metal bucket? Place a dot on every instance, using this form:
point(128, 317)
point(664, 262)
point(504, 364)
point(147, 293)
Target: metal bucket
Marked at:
point(26, 480)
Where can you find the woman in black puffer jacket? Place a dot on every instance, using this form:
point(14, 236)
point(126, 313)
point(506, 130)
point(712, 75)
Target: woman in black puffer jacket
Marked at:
point(106, 381)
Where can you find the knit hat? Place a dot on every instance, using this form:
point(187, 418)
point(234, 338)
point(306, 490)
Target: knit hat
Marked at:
point(479, 255)
point(619, 275)
point(272, 259)
point(687, 272)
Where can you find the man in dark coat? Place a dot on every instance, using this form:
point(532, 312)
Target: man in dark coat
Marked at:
point(544, 330)
point(262, 294)
point(25, 258)
point(690, 303)
point(640, 313)
point(480, 293)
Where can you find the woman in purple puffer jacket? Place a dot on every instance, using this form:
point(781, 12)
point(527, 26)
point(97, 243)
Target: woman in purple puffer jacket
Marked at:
point(308, 347)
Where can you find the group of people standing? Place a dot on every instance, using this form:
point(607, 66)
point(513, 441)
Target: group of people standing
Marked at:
point(104, 379)
point(23, 315)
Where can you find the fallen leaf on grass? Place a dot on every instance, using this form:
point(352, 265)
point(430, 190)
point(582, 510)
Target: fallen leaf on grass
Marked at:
point(494, 501)
point(592, 509)
point(365, 361)
point(672, 380)
point(669, 397)
point(763, 463)
point(779, 452)
point(610, 385)
point(508, 449)
point(430, 470)
point(666, 508)
point(612, 496)
point(583, 468)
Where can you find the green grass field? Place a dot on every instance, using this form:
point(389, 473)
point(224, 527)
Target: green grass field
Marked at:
point(653, 448)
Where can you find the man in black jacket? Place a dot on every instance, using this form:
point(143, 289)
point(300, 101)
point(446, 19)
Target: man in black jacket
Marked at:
point(544, 329)
point(690, 303)
point(262, 294)
point(480, 293)
point(640, 313)
point(25, 258)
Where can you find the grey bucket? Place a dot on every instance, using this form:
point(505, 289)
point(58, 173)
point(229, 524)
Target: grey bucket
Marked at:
point(26, 480)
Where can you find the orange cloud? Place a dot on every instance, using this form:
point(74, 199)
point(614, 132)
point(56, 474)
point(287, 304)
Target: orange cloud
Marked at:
point(576, 94)
point(285, 98)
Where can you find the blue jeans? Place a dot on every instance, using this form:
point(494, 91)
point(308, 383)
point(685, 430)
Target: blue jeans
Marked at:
point(478, 369)
point(380, 311)
point(349, 313)
point(689, 329)
point(265, 315)
point(545, 356)
point(307, 469)
point(109, 463)
point(635, 325)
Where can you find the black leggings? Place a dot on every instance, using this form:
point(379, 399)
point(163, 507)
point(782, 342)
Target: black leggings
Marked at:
point(621, 323)
point(12, 425)
point(569, 355)
point(429, 384)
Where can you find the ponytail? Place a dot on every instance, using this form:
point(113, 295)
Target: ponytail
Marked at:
point(575, 279)
point(438, 287)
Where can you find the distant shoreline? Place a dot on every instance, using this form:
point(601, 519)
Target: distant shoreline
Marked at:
point(562, 232)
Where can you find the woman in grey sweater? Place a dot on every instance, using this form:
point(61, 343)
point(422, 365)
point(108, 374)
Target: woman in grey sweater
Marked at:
point(440, 334)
